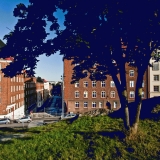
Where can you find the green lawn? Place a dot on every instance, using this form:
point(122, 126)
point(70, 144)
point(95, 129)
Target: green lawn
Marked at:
point(99, 138)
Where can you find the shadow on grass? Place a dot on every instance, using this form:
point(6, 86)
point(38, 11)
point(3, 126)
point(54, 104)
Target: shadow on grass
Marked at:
point(111, 134)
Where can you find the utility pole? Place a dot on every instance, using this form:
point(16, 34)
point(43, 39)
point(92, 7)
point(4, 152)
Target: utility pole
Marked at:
point(62, 88)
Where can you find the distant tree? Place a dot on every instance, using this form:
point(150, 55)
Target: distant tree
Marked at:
point(99, 32)
point(39, 79)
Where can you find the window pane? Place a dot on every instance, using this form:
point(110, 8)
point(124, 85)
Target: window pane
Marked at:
point(156, 88)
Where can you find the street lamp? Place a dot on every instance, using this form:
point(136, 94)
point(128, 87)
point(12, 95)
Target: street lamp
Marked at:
point(62, 88)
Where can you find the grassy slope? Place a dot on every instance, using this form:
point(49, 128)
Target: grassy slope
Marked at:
point(87, 138)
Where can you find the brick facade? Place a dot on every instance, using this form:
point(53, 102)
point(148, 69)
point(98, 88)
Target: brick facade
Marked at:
point(102, 100)
point(11, 92)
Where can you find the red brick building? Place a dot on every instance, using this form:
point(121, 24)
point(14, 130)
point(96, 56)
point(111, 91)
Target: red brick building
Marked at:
point(11, 93)
point(86, 95)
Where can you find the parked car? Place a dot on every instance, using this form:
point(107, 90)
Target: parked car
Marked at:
point(26, 119)
point(68, 116)
point(5, 121)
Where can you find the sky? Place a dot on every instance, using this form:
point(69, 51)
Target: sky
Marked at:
point(49, 68)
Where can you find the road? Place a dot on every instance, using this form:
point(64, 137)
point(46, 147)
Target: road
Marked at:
point(14, 125)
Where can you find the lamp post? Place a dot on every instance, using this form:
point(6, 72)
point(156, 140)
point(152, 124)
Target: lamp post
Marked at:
point(62, 88)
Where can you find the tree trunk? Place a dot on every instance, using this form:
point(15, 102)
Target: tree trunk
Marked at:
point(137, 105)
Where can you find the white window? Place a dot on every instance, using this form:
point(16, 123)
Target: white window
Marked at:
point(103, 94)
point(19, 79)
point(156, 77)
point(94, 94)
point(156, 88)
point(77, 84)
point(131, 83)
point(19, 96)
point(100, 104)
point(16, 79)
point(85, 104)
point(112, 94)
point(131, 73)
point(93, 83)
point(103, 84)
point(131, 94)
point(155, 66)
point(93, 104)
point(112, 84)
point(114, 104)
point(142, 94)
point(76, 94)
point(76, 104)
point(13, 79)
point(85, 94)
point(85, 84)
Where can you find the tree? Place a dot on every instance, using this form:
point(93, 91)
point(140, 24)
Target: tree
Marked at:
point(126, 32)
point(39, 79)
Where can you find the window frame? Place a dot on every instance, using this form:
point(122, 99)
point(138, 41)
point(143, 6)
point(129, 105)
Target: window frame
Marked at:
point(103, 94)
point(131, 73)
point(93, 84)
point(94, 105)
point(76, 104)
point(112, 93)
point(76, 94)
point(130, 94)
point(85, 84)
point(85, 104)
point(103, 84)
point(94, 94)
point(85, 93)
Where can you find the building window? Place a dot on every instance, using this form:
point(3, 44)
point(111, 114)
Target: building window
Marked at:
point(85, 84)
point(112, 94)
point(156, 88)
point(103, 94)
point(100, 104)
point(85, 104)
point(142, 94)
point(16, 79)
point(93, 104)
point(112, 84)
point(76, 104)
point(114, 104)
point(93, 83)
point(103, 84)
point(155, 66)
point(94, 94)
point(76, 94)
point(85, 94)
point(77, 84)
point(131, 73)
point(131, 83)
point(11, 88)
point(131, 94)
point(19, 96)
point(156, 77)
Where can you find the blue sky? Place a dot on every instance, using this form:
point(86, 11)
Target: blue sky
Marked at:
point(49, 68)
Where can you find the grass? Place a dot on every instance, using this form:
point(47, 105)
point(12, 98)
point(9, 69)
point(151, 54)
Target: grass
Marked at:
point(99, 138)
